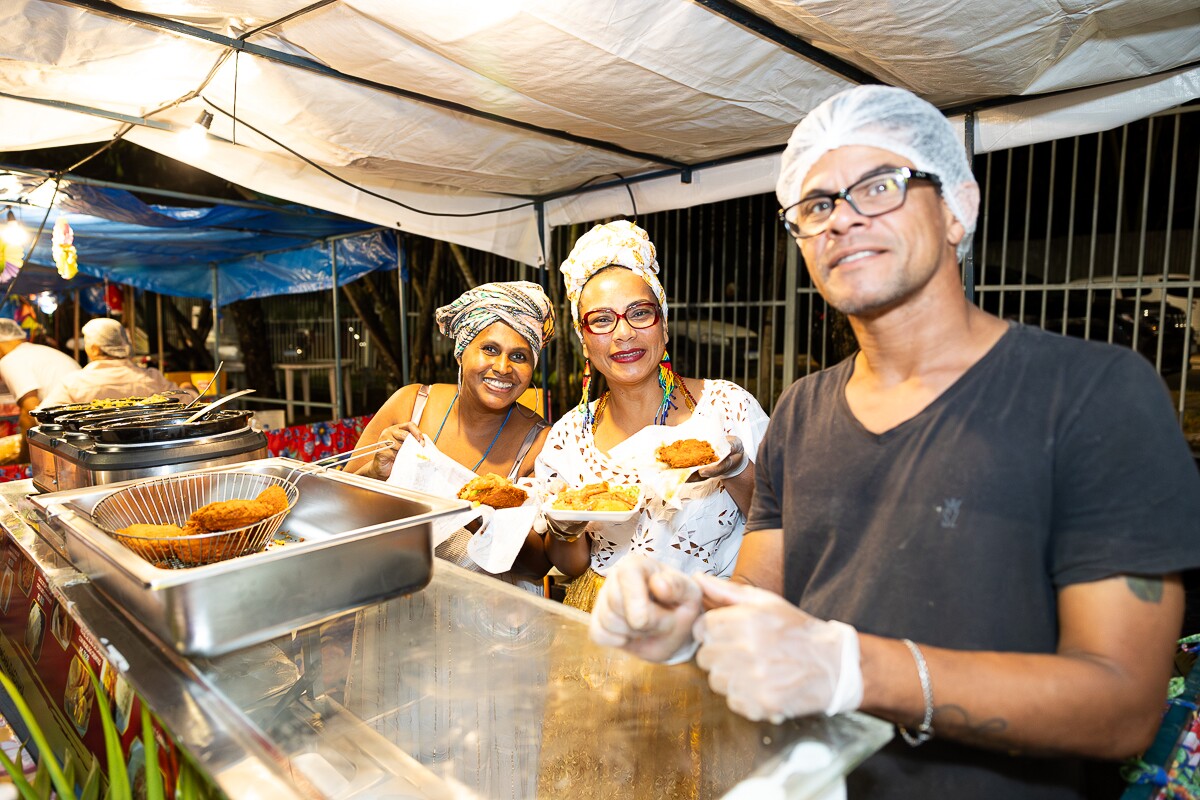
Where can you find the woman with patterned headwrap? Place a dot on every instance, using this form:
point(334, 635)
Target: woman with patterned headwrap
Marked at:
point(619, 311)
point(499, 330)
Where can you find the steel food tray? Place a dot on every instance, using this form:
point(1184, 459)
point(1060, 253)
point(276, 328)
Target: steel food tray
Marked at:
point(353, 541)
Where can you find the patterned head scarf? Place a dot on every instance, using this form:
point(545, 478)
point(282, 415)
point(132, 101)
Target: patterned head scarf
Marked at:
point(619, 243)
point(520, 305)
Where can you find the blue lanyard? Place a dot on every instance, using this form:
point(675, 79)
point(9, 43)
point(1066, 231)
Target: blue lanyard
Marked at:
point(494, 438)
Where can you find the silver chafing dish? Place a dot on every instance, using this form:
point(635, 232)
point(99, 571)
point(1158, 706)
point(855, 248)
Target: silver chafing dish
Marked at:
point(350, 541)
point(71, 448)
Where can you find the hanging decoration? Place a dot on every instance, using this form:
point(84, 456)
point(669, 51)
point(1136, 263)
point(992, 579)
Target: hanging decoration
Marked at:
point(12, 256)
point(65, 255)
point(114, 297)
point(25, 313)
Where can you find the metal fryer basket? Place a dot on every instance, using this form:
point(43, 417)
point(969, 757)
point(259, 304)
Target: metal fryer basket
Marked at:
point(172, 500)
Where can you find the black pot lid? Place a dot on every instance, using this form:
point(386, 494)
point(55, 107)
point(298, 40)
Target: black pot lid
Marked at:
point(56, 414)
point(169, 428)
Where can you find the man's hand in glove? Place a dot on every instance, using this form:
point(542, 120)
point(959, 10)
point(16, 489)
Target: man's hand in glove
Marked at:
point(648, 609)
point(770, 659)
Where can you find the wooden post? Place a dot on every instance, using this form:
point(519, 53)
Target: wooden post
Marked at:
point(75, 338)
point(159, 327)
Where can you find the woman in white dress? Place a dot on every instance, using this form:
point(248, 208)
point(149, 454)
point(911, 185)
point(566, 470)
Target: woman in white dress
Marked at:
point(619, 311)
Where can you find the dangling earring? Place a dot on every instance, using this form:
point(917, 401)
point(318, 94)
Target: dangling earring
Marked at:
point(584, 402)
point(667, 382)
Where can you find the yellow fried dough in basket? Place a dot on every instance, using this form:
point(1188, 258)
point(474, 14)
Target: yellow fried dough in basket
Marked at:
point(152, 531)
point(225, 515)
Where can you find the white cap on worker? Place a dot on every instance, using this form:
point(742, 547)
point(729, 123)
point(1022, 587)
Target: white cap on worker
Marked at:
point(891, 119)
point(109, 336)
point(10, 331)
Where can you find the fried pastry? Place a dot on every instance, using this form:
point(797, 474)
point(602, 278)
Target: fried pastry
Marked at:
point(152, 531)
point(225, 515)
point(686, 453)
point(493, 490)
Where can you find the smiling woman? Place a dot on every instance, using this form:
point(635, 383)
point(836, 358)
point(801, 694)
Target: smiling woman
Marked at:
point(499, 330)
point(620, 312)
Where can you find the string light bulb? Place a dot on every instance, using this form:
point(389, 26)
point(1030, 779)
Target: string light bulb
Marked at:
point(14, 233)
point(195, 138)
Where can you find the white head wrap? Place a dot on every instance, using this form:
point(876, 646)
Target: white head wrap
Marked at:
point(621, 244)
point(109, 336)
point(521, 305)
point(891, 119)
point(10, 331)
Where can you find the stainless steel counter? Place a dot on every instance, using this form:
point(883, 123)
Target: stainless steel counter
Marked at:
point(469, 688)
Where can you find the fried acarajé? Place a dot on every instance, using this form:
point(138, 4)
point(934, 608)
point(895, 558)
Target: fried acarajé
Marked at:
point(225, 515)
point(686, 453)
point(156, 531)
point(597, 497)
point(493, 490)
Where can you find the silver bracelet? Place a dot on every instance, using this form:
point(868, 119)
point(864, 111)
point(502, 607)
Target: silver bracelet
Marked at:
point(924, 731)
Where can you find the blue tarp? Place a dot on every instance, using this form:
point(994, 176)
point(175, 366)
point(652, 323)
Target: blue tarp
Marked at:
point(257, 251)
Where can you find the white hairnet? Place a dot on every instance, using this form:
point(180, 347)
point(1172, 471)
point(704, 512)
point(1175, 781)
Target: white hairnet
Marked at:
point(10, 331)
point(891, 119)
point(109, 336)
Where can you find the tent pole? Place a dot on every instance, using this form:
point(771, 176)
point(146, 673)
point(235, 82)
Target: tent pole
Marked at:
point(337, 337)
point(158, 327)
point(216, 286)
point(131, 316)
point(969, 258)
point(75, 338)
point(401, 266)
point(543, 280)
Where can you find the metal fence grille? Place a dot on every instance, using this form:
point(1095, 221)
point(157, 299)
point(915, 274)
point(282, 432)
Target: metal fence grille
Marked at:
point(1094, 236)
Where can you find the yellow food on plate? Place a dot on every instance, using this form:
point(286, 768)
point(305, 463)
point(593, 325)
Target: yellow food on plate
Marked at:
point(597, 497)
point(493, 490)
point(686, 453)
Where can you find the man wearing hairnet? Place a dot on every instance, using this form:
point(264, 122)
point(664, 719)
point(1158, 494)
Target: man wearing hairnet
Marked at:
point(110, 373)
point(30, 371)
point(971, 528)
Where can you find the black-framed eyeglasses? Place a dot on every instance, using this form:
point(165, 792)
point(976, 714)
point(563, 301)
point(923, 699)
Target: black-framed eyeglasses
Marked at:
point(872, 196)
point(604, 320)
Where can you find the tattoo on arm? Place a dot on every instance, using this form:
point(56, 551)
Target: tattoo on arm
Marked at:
point(1146, 589)
point(954, 717)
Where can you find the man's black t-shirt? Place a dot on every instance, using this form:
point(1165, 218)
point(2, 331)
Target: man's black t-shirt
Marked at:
point(1052, 461)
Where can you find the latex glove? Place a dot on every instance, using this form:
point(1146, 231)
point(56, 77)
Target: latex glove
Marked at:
point(381, 465)
point(770, 659)
point(648, 609)
point(730, 466)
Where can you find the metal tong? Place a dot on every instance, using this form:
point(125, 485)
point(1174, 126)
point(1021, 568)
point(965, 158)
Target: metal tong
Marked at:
point(338, 459)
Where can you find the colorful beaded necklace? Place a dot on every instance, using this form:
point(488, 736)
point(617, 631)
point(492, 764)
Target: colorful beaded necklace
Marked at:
point(669, 381)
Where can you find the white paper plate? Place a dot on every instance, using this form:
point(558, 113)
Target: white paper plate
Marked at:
point(564, 515)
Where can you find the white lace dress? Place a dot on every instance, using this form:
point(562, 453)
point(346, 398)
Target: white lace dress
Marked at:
point(705, 534)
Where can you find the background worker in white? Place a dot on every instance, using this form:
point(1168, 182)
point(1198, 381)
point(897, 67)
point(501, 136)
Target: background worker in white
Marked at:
point(30, 371)
point(110, 372)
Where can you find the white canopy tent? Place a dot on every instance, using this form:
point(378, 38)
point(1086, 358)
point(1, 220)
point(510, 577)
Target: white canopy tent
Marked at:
point(477, 122)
